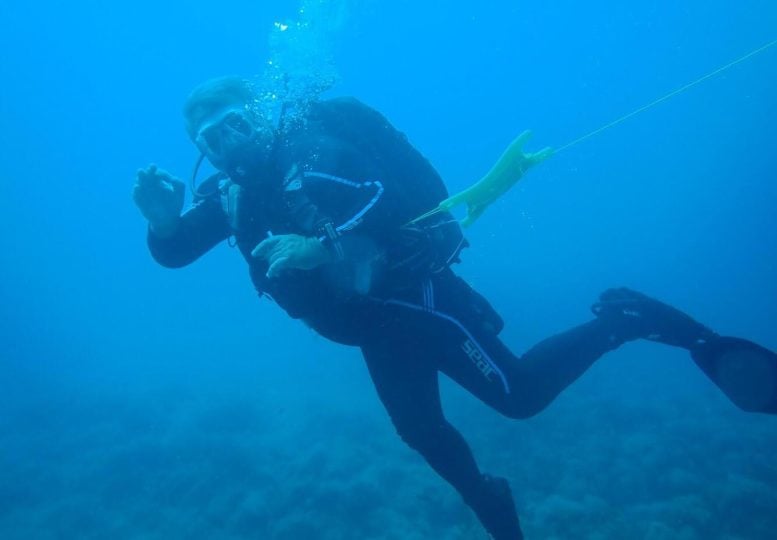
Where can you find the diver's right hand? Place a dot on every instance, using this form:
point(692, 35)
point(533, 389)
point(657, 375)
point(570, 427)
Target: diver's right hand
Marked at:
point(159, 196)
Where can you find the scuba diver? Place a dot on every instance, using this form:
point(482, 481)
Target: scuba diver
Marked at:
point(322, 206)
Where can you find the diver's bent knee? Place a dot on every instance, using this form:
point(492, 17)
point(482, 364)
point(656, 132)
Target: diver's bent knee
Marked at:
point(421, 437)
point(417, 439)
point(522, 409)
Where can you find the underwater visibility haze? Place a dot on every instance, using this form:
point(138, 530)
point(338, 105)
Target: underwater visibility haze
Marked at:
point(142, 402)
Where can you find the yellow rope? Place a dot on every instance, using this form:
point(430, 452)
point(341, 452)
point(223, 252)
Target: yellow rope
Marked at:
point(491, 191)
point(667, 96)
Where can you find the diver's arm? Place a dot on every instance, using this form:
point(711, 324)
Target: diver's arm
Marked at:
point(198, 230)
point(176, 240)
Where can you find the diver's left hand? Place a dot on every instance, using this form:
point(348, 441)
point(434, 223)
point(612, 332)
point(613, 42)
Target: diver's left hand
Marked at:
point(291, 251)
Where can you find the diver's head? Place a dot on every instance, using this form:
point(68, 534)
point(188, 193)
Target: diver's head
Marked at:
point(223, 121)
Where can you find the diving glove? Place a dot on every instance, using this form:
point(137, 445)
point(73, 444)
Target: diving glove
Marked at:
point(632, 315)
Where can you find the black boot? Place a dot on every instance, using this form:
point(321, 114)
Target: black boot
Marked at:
point(633, 315)
point(493, 504)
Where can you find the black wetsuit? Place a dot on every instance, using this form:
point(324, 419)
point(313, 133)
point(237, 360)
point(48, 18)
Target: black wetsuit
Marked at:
point(416, 318)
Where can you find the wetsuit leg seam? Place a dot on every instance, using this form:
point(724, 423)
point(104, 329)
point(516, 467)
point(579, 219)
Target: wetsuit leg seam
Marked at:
point(458, 324)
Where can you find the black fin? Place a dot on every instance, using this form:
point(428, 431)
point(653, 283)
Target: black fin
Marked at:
point(743, 370)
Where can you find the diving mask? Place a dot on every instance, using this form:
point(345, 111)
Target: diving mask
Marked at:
point(223, 140)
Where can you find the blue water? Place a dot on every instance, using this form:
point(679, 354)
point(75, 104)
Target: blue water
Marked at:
point(139, 402)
